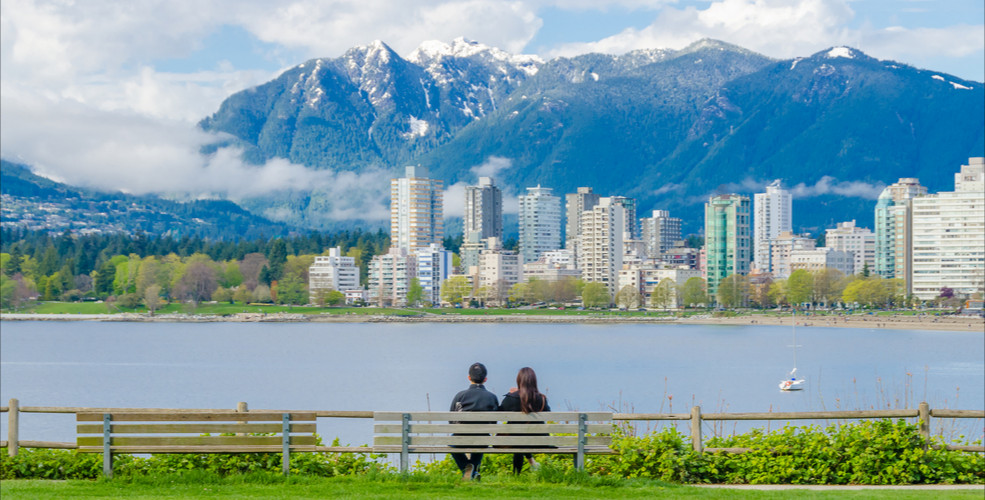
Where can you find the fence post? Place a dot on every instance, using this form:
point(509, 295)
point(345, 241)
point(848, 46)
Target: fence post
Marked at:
point(13, 417)
point(241, 408)
point(924, 412)
point(696, 429)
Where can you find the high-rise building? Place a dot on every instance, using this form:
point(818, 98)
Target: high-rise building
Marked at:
point(949, 237)
point(773, 214)
point(574, 205)
point(434, 265)
point(858, 240)
point(416, 213)
point(540, 223)
point(728, 238)
point(390, 275)
point(782, 249)
point(660, 232)
point(894, 232)
point(603, 231)
point(333, 272)
point(484, 209)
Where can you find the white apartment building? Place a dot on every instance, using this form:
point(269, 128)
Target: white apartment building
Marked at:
point(660, 232)
point(416, 211)
point(861, 241)
point(645, 279)
point(600, 251)
point(819, 258)
point(783, 247)
point(390, 275)
point(434, 265)
point(540, 223)
point(499, 270)
point(772, 214)
point(333, 272)
point(574, 205)
point(949, 236)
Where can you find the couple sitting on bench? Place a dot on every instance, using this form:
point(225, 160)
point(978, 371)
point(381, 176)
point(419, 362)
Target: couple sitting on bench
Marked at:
point(524, 397)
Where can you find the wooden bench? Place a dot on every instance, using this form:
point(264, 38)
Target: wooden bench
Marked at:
point(168, 432)
point(580, 434)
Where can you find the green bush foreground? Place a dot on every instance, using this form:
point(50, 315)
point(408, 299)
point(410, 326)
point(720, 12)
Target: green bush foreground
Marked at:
point(868, 452)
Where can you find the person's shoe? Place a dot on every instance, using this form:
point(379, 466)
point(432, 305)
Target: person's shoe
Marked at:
point(468, 472)
point(476, 476)
point(534, 466)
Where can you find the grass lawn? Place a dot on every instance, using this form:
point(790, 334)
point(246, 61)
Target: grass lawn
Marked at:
point(413, 486)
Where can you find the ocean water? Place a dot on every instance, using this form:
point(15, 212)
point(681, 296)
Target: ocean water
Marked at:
point(414, 366)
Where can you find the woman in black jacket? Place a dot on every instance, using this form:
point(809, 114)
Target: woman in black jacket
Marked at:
point(526, 398)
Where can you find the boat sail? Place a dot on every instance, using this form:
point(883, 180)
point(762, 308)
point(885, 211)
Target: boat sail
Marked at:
point(793, 383)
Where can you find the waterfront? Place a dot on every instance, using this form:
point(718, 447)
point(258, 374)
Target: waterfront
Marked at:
point(418, 366)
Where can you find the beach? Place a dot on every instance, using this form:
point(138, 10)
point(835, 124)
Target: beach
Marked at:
point(896, 321)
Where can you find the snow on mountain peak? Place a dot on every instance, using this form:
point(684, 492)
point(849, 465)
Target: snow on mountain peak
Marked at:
point(842, 51)
point(434, 51)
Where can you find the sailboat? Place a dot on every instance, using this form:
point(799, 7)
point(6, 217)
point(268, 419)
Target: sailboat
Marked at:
point(793, 383)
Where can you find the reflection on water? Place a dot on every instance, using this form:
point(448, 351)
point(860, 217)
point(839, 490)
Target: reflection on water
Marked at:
point(620, 367)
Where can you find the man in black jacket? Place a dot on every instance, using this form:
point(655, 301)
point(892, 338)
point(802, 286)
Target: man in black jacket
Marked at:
point(475, 398)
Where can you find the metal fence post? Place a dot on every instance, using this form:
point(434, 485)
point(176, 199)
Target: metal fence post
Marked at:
point(696, 429)
point(286, 440)
point(404, 442)
point(107, 445)
point(580, 457)
point(13, 419)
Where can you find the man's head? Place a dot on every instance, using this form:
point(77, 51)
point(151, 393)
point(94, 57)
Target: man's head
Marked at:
point(477, 373)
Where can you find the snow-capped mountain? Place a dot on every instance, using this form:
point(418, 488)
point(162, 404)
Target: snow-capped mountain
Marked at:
point(700, 119)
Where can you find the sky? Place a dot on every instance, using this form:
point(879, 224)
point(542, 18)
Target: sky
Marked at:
point(107, 93)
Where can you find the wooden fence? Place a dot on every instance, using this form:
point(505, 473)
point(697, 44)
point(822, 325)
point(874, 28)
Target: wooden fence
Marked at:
point(923, 413)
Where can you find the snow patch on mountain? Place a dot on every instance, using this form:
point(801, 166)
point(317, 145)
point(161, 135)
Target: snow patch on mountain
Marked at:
point(418, 128)
point(837, 52)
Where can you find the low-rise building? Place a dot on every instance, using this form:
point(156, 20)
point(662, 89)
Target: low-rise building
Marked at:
point(333, 272)
point(819, 258)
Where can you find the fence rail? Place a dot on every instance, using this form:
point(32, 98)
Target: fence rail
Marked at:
point(923, 412)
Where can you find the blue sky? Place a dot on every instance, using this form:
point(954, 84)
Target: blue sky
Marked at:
point(107, 93)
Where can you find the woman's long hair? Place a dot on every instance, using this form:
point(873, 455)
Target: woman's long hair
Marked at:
point(526, 384)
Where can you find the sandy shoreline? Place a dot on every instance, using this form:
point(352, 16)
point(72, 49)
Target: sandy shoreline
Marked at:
point(948, 323)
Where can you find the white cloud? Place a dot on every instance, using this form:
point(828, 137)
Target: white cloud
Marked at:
point(453, 199)
point(111, 150)
point(778, 28)
point(828, 185)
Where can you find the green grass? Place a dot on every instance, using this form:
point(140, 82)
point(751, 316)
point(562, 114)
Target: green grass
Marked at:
point(202, 485)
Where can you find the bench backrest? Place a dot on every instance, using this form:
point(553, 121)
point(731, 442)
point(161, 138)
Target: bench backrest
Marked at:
point(194, 432)
point(577, 433)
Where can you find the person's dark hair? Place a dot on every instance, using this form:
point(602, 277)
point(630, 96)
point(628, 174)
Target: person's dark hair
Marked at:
point(526, 386)
point(477, 373)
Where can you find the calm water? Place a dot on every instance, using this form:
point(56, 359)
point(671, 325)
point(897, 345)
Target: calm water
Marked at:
point(312, 366)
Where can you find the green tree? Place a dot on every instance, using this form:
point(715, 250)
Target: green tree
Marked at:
point(664, 294)
point(8, 290)
point(828, 285)
point(292, 289)
point(454, 289)
point(595, 295)
point(800, 287)
point(152, 298)
point(242, 294)
point(415, 293)
point(628, 297)
point(231, 277)
point(733, 291)
point(334, 297)
point(694, 292)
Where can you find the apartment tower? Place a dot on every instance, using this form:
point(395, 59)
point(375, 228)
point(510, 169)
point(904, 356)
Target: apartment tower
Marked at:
point(728, 238)
point(774, 214)
point(416, 214)
point(540, 223)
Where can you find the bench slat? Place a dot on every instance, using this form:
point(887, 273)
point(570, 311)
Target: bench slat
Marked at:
point(191, 428)
point(498, 416)
point(231, 416)
point(193, 440)
point(197, 449)
point(492, 440)
point(492, 428)
point(566, 450)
